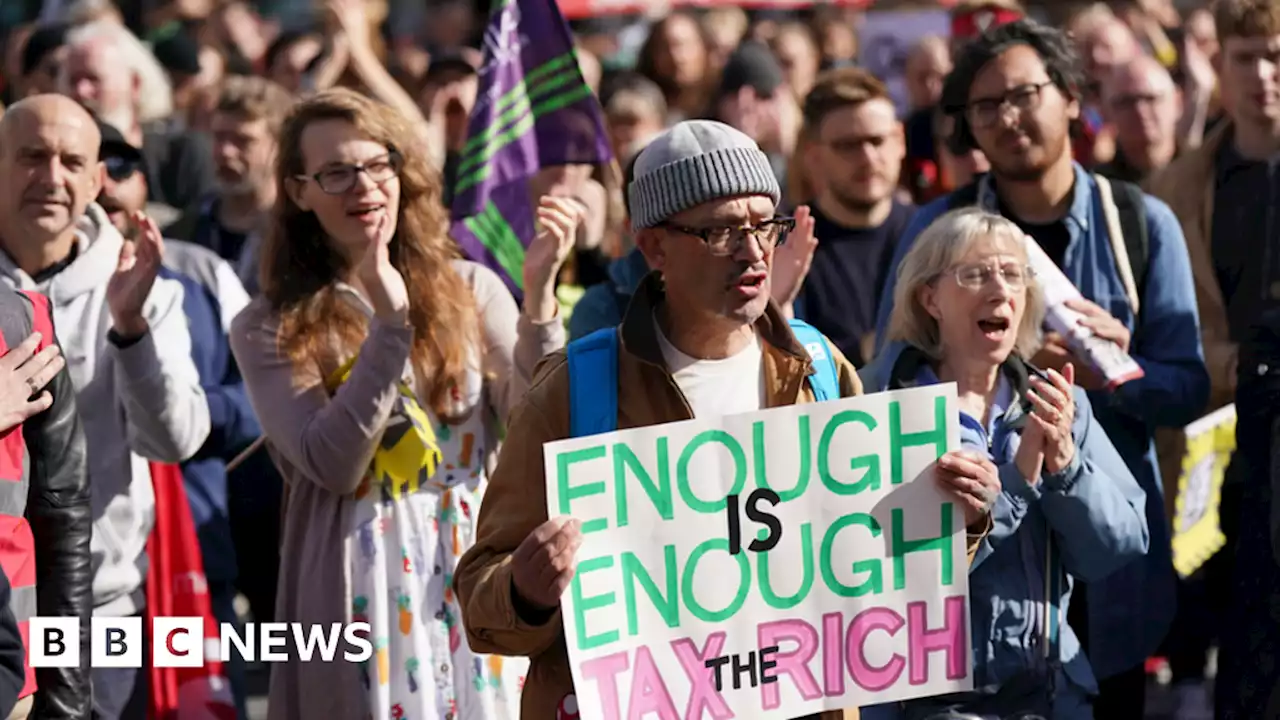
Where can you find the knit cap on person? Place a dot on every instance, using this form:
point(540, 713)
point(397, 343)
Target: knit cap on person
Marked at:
point(695, 162)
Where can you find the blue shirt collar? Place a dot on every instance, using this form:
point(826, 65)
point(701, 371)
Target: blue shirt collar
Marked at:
point(1081, 197)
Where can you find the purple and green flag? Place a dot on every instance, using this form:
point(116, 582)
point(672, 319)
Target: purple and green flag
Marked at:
point(533, 111)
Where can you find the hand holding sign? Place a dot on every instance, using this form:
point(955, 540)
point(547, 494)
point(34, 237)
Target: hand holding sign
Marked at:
point(973, 480)
point(542, 566)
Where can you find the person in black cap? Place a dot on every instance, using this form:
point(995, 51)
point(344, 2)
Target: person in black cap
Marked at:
point(42, 58)
point(753, 98)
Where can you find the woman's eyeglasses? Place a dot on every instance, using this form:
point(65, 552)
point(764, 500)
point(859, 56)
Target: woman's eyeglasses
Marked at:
point(339, 179)
point(727, 240)
point(976, 277)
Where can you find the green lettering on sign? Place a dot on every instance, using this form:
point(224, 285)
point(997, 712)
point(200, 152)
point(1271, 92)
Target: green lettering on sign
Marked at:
point(668, 607)
point(869, 481)
point(570, 493)
point(900, 547)
point(771, 598)
point(900, 441)
point(624, 458)
point(730, 443)
point(758, 447)
point(744, 582)
point(582, 604)
point(874, 584)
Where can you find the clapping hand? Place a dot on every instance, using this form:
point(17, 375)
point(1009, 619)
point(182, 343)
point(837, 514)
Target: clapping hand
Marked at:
point(136, 270)
point(792, 259)
point(558, 219)
point(382, 281)
point(1047, 441)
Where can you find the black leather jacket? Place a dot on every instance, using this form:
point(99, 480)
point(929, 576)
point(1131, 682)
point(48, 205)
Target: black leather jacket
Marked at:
point(61, 522)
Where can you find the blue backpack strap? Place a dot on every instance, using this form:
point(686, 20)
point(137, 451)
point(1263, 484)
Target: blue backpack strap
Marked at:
point(593, 383)
point(825, 378)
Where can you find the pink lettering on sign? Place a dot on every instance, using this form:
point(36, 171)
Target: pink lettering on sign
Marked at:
point(865, 674)
point(605, 671)
point(832, 663)
point(795, 663)
point(704, 700)
point(950, 638)
point(649, 693)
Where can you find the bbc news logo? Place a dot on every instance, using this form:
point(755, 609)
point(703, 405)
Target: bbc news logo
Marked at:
point(180, 642)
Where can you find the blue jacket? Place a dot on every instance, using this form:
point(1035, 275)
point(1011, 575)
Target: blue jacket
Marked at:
point(1092, 510)
point(604, 304)
point(212, 297)
point(1131, 611)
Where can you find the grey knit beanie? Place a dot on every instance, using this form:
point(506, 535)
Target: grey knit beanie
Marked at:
point(694, 162)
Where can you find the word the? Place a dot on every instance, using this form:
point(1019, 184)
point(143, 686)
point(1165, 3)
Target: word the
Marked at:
point(750, 668)
point(181, 642)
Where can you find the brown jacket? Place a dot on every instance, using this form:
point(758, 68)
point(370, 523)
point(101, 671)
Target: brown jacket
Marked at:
point(1187, 185)
point(515, 502)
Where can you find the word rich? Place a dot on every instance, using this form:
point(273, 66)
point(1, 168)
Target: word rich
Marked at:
point(178, 642)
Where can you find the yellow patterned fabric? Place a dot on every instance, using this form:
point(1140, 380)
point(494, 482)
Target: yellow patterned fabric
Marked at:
point(409, 454)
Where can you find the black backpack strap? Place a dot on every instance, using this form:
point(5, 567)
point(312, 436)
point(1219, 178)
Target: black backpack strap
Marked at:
point(1132, 209)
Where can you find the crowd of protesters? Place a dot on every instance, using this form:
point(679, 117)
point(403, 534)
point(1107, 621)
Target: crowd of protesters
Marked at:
point(229, 228)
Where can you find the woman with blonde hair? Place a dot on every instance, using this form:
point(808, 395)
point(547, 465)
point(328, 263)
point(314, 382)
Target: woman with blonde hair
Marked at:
point(968, 310)
point(382, 368)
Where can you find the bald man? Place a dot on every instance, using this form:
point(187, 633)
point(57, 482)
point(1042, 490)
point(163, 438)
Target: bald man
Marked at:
point(1140, 100)
point(1106, 45)
point(927, 66)
point(125, 338)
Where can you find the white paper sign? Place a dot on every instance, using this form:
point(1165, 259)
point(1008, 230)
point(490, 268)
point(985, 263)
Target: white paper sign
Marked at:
point(1115, 365)
point(767, 565)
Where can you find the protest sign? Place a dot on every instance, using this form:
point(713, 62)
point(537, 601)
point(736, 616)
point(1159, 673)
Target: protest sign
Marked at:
point(766, 565)
point(1197, 532)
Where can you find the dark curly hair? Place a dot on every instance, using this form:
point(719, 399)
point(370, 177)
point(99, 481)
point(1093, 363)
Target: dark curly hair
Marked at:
point(1051, 44)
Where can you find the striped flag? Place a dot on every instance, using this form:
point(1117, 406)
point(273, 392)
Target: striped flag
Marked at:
point(533, 110)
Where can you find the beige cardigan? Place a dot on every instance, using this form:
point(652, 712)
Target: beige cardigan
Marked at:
point(322, 446)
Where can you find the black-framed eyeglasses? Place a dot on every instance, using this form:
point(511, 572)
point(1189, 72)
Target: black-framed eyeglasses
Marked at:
point(1024, 98)
point(119, 168)
point(339, 179)
point(727, 240)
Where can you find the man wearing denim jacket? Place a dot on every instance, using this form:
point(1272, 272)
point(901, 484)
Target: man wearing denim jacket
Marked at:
point(1014, 94)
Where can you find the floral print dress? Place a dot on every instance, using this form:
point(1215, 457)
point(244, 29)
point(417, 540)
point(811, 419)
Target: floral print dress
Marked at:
point(414, 515)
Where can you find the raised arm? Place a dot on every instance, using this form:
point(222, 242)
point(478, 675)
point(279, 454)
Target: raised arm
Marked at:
point(330, 440)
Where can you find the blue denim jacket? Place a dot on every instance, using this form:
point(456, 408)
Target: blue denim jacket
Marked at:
point(1130, 611)
point(1092, 510)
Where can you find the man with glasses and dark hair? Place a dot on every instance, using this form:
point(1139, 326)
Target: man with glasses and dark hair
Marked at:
point(1014, 94)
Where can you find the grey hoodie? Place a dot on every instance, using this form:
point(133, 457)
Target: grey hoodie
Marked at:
point(137, 404)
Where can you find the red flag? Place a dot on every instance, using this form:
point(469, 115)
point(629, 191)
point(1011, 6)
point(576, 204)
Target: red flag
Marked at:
point(176, 586)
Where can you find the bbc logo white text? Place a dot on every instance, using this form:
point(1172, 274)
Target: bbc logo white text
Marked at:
point(178, 642)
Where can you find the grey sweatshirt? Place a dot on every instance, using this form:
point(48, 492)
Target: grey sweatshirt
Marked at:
point(137, 404)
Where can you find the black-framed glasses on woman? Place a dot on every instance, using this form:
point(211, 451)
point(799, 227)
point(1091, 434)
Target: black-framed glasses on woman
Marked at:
point(728, 240)
point(339, 179)
point(1024, 98)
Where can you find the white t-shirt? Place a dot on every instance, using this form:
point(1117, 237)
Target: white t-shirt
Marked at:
point(718, 387)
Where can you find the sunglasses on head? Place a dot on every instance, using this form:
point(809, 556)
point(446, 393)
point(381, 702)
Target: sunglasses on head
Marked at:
point(121, 168)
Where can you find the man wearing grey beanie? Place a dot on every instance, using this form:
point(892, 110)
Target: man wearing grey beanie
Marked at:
point(701, 338)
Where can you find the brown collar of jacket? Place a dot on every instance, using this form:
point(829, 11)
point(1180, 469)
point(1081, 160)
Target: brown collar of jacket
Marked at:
point(641, 364)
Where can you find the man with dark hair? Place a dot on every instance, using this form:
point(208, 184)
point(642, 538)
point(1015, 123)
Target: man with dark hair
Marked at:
point(1014, 94)
point(635, 109)
point(854, 142)
point(1224, 193)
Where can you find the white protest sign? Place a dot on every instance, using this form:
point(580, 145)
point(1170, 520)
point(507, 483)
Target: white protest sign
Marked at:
point(767, 565)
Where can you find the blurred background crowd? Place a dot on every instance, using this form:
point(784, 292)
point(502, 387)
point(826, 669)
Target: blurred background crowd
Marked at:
point(198, 90)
